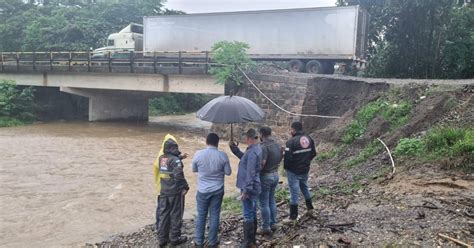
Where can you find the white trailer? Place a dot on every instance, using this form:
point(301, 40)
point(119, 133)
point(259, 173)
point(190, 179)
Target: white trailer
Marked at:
point(310, 39)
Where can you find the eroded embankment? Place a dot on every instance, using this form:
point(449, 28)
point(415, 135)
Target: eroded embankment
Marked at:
point(359, 202)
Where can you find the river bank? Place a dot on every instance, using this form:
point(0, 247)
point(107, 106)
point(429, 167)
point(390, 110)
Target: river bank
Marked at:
point(72, 182)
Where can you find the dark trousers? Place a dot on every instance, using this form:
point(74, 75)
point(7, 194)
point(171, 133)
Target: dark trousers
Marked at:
point(171, 209)
point(157, 213)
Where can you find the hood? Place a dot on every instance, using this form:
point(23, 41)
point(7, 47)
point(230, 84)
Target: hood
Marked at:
point(171, 147)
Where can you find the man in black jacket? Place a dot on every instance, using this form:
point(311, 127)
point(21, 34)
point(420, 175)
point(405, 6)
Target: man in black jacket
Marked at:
point(299, 152)
point(173, 189)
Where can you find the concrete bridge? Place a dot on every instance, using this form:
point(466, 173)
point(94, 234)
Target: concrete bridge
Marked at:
point(117, 88)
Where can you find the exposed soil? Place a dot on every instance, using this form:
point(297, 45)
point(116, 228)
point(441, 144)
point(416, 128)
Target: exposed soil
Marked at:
point(365, 205)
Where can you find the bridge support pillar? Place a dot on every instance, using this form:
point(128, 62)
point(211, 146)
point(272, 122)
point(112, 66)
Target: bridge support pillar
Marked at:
point(112, 105)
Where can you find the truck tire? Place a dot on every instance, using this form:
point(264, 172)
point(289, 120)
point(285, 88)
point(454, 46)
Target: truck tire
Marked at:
point(314, 67)
point(295, 65)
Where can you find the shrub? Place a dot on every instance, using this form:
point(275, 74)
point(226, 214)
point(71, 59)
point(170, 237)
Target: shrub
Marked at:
point(177, 103)
point(409, 147)
point(16, 105)
point(442, 140)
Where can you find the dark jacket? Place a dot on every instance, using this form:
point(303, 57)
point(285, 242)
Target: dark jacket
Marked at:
point(299, 152)
point(248, 175)
point(171, 165)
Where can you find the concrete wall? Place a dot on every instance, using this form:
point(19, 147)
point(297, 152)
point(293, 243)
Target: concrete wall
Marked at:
point(304, 94)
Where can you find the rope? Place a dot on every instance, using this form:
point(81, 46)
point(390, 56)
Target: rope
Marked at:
point(282, 109)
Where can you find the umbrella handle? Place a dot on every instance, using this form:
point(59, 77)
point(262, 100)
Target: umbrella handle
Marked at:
point(231, 133)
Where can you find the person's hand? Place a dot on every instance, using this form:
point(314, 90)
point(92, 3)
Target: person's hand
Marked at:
point(184, 192)
point(183, 156)
point(232, 144)
point(244, 196)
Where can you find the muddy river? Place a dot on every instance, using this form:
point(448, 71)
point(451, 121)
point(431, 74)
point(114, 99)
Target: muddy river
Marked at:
point(67, 183)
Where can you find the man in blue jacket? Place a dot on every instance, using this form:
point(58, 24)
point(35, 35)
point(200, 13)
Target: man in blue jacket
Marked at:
point(248, 181)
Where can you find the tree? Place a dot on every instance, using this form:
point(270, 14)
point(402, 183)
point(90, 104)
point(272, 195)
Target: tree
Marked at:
point(230, 56)
point(16, 103)
point(419, 38)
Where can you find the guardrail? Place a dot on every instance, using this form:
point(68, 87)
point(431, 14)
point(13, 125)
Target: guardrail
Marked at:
point(179, 62)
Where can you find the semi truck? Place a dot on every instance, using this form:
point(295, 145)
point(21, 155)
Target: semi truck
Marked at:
point(309, 40)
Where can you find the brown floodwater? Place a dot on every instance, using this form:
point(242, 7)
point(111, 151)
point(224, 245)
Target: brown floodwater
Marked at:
point(68, 183)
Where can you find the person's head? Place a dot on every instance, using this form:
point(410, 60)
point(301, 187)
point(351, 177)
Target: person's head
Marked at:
point(251, 136)
point(265, 132)
point(212, 140)
point(296, 127)
point(171, 147)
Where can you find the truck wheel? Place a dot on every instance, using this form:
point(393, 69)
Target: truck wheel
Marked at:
point(314, 66)
point(295, 65)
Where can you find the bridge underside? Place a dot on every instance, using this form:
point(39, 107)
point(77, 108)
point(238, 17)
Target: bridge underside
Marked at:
point(119, 97)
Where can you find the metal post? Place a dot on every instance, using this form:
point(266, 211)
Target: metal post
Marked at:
point(51, 61)
point(131, 61)
point(88, 61)
point(179, 63)
point(70, 62)
point(34, 59)
point(110, 61)
point(17, 62)
point(154, 63)
point(207, 63)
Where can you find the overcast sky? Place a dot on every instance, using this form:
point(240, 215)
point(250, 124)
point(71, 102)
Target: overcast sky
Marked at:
point(206, 6)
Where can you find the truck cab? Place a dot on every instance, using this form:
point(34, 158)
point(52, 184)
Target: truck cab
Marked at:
point(119, 44)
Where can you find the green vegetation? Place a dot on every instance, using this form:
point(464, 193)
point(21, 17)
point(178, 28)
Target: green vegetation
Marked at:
point(230, 55)
point(282, 194)
point(16, 105)
point(439, 143)
point(440, 45)
point(59, 25)
point(370, 150)
point(230, 204)
point(323, 156)
point(395, 114)
point(177, 103)
point(322, 192)
point(409, 147)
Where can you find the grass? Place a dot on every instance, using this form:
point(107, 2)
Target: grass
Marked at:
point(323, 156)
point(370, 150)
point(282, 194)
point(440, 142)
point(230, 204)
point(10, 122)
point(396, 114)
point(349, 188)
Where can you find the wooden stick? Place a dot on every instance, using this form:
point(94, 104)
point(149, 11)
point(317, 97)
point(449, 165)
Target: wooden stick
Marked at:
point(390, 154)
point(457, 241)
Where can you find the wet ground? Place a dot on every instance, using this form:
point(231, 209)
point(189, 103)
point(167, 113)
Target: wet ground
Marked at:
point(68, 183)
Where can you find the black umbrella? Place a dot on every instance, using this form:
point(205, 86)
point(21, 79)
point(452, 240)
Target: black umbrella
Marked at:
point(230, 109)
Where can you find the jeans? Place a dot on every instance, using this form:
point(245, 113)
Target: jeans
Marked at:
point(208, 203)
point(249, 208)
point(297, 183)
point(268, 206)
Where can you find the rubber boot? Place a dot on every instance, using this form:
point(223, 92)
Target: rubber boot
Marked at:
point(293, 215)
point(254, 233)
point(180, 240)
point(293, 212)
point(309, 204)
point(247, 240)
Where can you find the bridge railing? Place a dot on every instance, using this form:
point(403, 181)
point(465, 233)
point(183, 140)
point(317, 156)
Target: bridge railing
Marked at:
point(179, 62)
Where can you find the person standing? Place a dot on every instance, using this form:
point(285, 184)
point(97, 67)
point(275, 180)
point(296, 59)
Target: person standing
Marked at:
point(173, 188)
point(299, 152)
point(211, 165)
point(248, 181)
point(271, 158)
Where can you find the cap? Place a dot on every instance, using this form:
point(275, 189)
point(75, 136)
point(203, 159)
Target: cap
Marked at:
point(251, 133)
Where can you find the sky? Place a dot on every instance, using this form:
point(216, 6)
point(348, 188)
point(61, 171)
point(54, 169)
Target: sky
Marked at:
point(207, 6)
